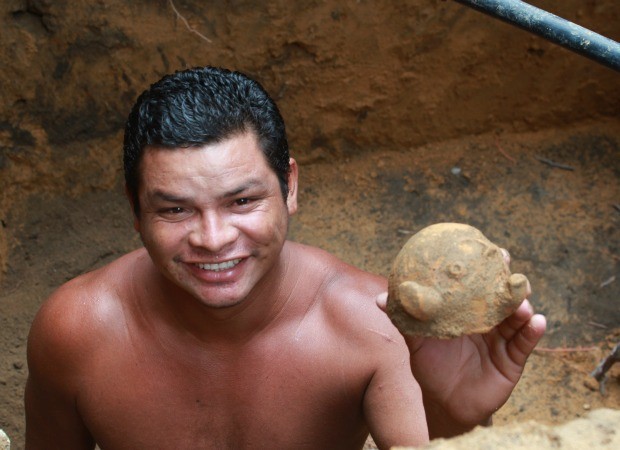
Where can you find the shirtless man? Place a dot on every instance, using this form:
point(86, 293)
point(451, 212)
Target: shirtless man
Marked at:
point(220, 333)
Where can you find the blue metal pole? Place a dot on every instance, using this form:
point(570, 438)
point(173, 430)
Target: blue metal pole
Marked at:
point(553, 28)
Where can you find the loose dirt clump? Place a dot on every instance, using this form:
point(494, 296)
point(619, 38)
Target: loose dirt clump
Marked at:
point(596, 431)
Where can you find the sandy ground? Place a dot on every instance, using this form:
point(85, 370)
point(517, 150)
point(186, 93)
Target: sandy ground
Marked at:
point(559, 224)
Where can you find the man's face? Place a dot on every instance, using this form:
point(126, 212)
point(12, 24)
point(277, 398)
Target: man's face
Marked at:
point(213, 218)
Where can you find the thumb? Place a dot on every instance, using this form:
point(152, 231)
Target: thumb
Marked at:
point(381, 300)
point(413, 342)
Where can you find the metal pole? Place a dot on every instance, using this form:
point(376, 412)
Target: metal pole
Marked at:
point(553, 28)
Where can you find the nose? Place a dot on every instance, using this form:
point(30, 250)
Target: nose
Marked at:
point(212, 232)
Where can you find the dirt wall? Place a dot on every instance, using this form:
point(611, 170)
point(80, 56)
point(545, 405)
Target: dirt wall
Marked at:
point(349, 76)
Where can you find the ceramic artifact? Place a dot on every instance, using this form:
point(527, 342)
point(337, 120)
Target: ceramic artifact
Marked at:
point(449, 280)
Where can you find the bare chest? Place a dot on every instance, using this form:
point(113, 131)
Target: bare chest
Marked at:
point(291, 395)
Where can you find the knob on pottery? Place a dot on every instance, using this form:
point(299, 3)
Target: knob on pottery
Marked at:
point(449, 280)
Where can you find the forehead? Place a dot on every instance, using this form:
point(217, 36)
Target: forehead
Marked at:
point(222, 163)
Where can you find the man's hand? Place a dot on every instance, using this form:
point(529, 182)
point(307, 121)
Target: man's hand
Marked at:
point(465, 380)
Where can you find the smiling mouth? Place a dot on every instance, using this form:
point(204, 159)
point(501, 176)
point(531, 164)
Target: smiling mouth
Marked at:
point(219, 266)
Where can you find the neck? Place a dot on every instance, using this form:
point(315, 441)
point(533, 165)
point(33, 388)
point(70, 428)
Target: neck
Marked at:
point(235, 324)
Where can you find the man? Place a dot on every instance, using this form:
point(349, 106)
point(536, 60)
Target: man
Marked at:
point(222, 334)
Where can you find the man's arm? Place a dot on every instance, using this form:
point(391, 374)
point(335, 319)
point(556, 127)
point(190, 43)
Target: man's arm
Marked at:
point(393, 402)
point(465, 380)
point(52, 418)
point(52, 421)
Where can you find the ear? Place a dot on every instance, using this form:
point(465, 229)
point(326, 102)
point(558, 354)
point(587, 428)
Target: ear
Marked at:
point(420, 302)
point(291, 199)
point(136, 219)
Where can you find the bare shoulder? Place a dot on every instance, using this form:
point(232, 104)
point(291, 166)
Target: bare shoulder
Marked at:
point(335, 270)
point(368, 347)
point(349, 297)
point(78, 316)
point(74, 328)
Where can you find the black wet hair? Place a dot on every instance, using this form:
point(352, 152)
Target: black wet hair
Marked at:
point(202, 106)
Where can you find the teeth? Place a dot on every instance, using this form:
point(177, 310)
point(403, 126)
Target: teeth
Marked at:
point(220, 266)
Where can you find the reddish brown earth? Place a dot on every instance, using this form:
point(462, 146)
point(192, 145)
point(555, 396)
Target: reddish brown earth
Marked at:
point(402, 114)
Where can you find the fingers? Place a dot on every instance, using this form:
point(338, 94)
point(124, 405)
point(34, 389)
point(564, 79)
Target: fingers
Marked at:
point(382, 301)
point(506, 256)
point(520, 332)
point(528, 289)
point(513, 323)
point(525, 340)
point(413, 343)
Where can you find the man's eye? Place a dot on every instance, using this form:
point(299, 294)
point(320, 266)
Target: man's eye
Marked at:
point(172, 211)
point(242, 201)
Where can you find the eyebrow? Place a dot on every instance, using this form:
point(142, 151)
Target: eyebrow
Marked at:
point(168, 197)
point(244, 187)
point(172, 198)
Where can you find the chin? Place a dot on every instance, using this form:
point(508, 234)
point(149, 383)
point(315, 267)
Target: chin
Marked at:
point(221, 301)
point(222, 305)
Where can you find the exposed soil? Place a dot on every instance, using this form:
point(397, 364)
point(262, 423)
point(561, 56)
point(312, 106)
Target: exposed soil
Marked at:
point(560, 226)
point(402, 114)
point(574, 435)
